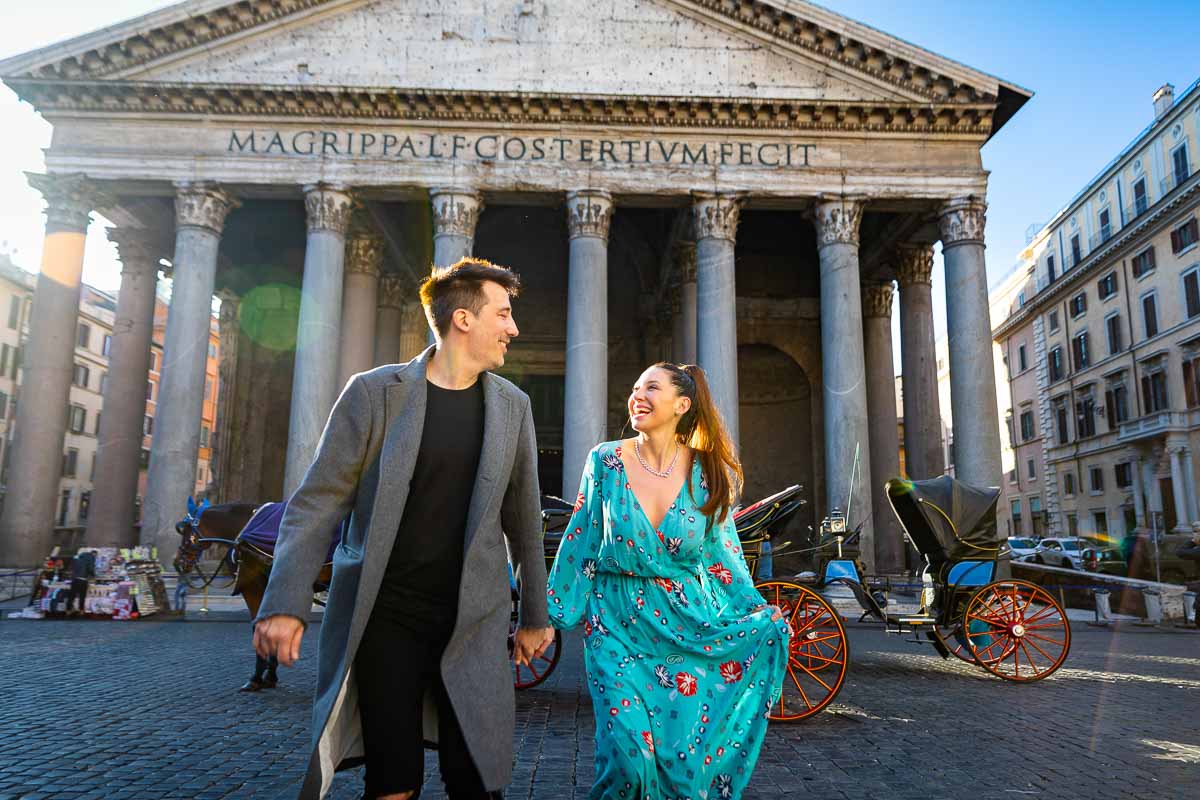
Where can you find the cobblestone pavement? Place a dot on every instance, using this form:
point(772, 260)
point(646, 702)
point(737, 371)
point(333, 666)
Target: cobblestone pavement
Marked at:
point(149, 710)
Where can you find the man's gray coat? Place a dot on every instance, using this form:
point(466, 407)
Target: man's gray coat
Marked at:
point(363, 467)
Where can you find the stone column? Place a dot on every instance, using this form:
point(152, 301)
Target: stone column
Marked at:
point(228, 332)
point(415, 333)
point(843, 360)
point(882, 431)
point(27, 524)
point(1189, 474)
point(1139, 499)
point(388, 321)
point(118, 452)
point(315, 377)
point(455, 214)
point(972, 374)
point(200, 211)
point(922, 413)
point(360, 293)
point(589, 215)
point(715, 218)
point(1180, 487)
point(685, 326)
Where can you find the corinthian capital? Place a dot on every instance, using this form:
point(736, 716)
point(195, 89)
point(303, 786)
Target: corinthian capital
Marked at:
point(715, 216)
point(685, 261)
point(877, 299)
point(364, 245)
point(962, 220)
point(328, 207)
point(837, 220)
point(70, 200)
point(201, 204)
point(455, 211)
point(138, 249)
point(914, 265)
point(391, 292)
point(589, 213)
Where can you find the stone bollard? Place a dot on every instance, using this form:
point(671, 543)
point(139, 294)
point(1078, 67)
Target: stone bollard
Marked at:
point(1153, 598)
point(1189, 609)
point(1103, 612)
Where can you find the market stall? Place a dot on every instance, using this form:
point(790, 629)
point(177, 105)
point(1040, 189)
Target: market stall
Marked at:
point(99, 583)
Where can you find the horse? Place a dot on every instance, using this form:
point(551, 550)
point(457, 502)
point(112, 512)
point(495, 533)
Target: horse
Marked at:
point(250, 557)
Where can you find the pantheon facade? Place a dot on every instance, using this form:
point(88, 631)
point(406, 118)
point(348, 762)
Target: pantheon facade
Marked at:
point(744, 184)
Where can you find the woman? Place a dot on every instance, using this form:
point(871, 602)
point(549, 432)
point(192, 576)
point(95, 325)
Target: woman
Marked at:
point(683, 656)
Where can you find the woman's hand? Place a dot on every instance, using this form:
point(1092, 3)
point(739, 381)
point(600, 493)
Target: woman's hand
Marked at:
point(776, 612)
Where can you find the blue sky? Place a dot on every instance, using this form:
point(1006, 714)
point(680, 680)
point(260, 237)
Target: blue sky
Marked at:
point(1093, 67)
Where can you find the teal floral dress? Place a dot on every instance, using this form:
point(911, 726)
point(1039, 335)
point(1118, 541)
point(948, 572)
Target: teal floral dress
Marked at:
point(682, 667)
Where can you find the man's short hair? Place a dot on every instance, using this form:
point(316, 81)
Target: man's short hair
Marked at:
point(460, 285)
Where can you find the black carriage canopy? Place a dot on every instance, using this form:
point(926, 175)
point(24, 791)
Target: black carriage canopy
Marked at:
point(947, 520)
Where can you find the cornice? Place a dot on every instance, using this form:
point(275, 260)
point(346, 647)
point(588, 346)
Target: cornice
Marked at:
point(1130, 237)
point(522, 108)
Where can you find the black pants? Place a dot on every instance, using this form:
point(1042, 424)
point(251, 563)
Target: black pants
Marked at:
point(393, 668)
point(79, 587)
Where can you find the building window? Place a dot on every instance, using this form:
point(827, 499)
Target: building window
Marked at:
point(153, 361)
point(1107, 285)
point(1096, 479)
point(1116, 401)
point(1031, 470)
point(1016, 516)
point(1080, 352)
point(1079, 304)
point(1012, 476)
point(83, 336)
point(1191, 293)
point(149, 390)
point(1191, 381)
point(1180, 168)
point(78, 419)
point(1143, 262)
point(1072, 525)
point(1053, 321)
point(85, 502)
point(1140, 202)
point(1051, 277)
point(1112, 329)
point(1123, 472)
point(1184, 236)
point(1022, 364)
point(14, 312)
point(1069, 484)
point(5, 354)
point(70, 462)
point(98, 415)
point(204, 434)
point(106, 349)
point(64, 505)
point(147, 425)
point(1150, 314)
point(212, 350)
point(1027, 430)
point(1062, 421)
point(1100, 521)
point(1154, 391)
point(208, 390)
point(1085, 417)
point(144, 458)
point(1105, 226)
point(1054, 364)
point(3, 405)
point(80, 376)
point(1076, 253)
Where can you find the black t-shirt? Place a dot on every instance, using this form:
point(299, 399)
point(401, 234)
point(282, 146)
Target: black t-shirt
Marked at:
point(420, 586)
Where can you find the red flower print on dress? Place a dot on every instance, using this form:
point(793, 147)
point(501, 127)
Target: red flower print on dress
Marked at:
point(731, 671)
point(665, 584)
point(587, 629)
point(648, 738)
point(685, 682)
point(579, 502)
point(721, 573)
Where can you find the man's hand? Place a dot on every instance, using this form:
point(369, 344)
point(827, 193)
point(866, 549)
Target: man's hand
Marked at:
point(531, 643)
point(279, 636)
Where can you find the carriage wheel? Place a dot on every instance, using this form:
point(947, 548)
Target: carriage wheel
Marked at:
point(952, 638)
point(1017, 631)
point(818, 654)
point(539, 667)
point(216, 567)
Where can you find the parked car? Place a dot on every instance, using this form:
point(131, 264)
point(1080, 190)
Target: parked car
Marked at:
point(1105, 560)
point(1171, 567)
point(1021, 546)
point(1065, 552)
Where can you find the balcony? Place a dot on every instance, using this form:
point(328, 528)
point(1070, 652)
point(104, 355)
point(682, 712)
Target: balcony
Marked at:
point(1136, 209)
point(1174, 179)
point(1151, 425)
point(1100, 238)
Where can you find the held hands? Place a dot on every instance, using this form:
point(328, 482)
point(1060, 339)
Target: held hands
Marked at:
point(530, 643)
point(279, 637)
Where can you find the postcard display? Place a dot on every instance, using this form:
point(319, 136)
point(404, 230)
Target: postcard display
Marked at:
point(127, 585)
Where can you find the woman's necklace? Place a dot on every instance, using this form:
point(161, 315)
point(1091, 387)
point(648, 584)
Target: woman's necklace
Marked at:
point(637, 448)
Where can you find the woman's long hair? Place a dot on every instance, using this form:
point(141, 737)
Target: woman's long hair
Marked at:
point(703, 430)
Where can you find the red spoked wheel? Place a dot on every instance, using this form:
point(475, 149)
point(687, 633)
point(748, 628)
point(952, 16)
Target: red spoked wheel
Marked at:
point(818, 656)
point(953, 639)
point(540, 667)
point(1017, 631)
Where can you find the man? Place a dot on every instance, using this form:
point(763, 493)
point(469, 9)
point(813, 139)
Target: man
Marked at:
point(436, 463)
